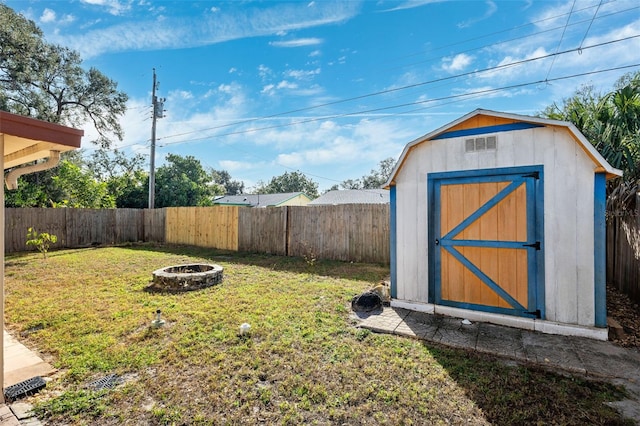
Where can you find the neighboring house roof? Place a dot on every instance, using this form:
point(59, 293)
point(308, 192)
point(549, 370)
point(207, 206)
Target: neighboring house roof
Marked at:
point(504, 122)
point(258, 200)
point(352, 196)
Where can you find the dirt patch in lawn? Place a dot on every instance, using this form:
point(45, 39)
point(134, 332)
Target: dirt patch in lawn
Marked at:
point(626, 313)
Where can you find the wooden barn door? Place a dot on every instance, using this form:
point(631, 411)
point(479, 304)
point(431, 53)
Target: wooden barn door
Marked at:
point(486, 240)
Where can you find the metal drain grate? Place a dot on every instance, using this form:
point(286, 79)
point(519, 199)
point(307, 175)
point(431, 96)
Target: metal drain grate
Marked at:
point(24, 388)
point(107, 382)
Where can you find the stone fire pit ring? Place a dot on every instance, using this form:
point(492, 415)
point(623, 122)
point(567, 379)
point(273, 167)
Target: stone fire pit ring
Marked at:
point(186, 277)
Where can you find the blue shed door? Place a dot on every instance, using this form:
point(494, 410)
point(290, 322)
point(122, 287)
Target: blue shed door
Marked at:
point(486, 239)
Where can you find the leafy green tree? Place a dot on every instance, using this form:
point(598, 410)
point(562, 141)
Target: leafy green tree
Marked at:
point(79, 189)
point(182, 181)
point(41, 240)
point(46, 81)
point(39, 189)
point(611, 122)
point(71, 184)
point(373, 180)
point(288, 182)
point(131, 190)
point(228, 185)
point(125, 176)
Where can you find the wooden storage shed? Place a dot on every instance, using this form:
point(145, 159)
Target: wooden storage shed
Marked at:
point(500, 218)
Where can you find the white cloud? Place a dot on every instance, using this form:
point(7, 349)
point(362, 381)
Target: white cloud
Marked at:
point(268, 89)
point(232, 166)
point(180, 94)
point(457, 63)
point(300, 42)
point(179, 32)
point(233, 70)
point(114, 7)
point(491, 9)
point(410, 4)
point(264, 72)
point(48, 15)
point(284, 84)
point(302, 74)
point(315, 53)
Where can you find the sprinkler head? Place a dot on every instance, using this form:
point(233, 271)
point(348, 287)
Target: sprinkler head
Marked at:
point(158, 322)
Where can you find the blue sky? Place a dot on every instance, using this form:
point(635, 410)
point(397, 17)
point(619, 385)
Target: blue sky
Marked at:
point(331, 88)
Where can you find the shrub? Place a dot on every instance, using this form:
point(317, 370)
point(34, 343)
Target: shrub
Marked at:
point(42, 241)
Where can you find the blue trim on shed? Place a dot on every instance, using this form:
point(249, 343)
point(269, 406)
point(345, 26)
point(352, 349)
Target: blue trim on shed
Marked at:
point(600, 249)
point(392, 241)
point(485, 308)
point(487, 129)
point(539, 254)
point(433, 254)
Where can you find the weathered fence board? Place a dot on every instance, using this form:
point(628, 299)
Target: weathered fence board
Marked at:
point(350, 232)
point(19, 220)
point(87, 227)
point(623, 255)
point(154, 225)
point(83, 227)
point(129, 226)
point(263, 230)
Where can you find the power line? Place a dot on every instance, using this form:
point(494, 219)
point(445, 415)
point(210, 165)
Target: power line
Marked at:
point(517, 27)
point(561, 38)
point(450, 97)
point(490, 69)
point(396, 89)
point(246, 121)
point(590, 23)
point(498, 43)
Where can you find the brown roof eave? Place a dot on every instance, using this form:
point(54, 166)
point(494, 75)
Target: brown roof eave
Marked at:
point(38, 130)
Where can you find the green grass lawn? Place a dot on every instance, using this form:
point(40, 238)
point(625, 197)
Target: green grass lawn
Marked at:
point(303, 362)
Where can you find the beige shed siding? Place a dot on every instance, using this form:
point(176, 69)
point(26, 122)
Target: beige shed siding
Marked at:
point(568, 203)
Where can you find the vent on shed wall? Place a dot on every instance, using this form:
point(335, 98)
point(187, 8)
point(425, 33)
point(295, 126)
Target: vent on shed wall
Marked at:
point(480, 144)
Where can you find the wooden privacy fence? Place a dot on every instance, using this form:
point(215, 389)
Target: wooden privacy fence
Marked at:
point(353, 232)
point(623, 254)
point(349, 232)
point(215, 227)
point(83, 227)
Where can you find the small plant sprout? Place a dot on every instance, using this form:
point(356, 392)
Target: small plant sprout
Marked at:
point(42, 241)
point(158, 322)
point(244, 328)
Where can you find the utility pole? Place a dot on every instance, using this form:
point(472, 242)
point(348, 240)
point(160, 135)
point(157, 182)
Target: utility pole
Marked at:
point(158, 109)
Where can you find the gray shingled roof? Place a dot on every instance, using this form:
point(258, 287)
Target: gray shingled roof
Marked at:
point(256, 200)
point(352, 196)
